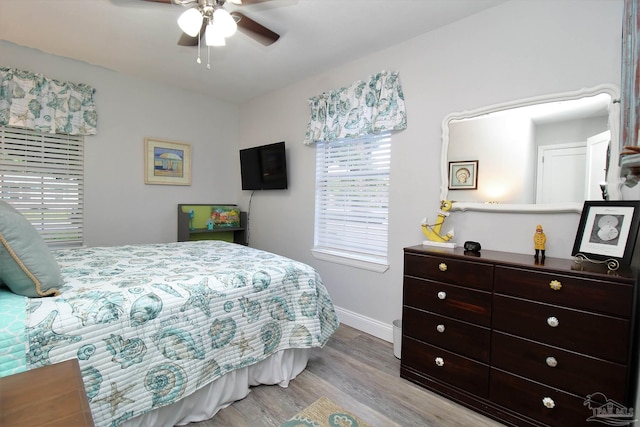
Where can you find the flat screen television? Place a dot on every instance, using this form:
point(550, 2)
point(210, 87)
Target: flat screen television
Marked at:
point(264, 167)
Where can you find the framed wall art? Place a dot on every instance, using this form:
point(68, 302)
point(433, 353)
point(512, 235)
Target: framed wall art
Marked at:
point(608, 230)
point(166, 162)
point(463, 175)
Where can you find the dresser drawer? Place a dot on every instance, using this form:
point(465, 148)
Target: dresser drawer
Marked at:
point(464, 273)
point(568, 371)
point(460, 337)
point(446, 366)
point(592, 334)
point(526, 398)
point(605, 297)
point(452, 301)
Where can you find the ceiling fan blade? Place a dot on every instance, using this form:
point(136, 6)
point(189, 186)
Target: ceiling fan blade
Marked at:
point(255, 30)
point(243, 2)
point(187, 40)
point(176, 2)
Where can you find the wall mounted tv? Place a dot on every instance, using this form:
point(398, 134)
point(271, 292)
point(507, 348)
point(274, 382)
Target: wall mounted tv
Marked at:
point(264, 167)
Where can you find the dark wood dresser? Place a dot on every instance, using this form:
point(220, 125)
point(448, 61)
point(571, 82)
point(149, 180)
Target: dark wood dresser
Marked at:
point(524, 343)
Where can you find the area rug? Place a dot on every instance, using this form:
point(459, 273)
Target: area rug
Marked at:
point(324, 413)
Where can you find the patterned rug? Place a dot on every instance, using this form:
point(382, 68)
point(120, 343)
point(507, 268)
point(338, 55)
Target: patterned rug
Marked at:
point(324, 413)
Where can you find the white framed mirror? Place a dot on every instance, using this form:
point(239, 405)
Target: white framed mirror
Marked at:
point(543, 154)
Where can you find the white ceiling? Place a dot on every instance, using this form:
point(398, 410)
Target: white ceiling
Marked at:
point(138, 38)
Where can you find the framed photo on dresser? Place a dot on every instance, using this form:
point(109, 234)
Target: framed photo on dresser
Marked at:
point(608, 229)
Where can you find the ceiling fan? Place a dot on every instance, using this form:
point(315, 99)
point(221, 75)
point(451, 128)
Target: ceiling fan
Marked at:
point(210, 19)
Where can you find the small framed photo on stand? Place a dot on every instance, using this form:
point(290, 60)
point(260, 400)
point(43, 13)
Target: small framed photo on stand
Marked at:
point(607, 231)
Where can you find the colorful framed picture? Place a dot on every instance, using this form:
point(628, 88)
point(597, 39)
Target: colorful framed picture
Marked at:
point(608, 230)
point(463, 175)
point(225, 216)
point(167, 162)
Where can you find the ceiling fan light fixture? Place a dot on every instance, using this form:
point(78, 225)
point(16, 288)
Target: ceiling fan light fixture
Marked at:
point(190, 22)
point(225, 21)
point(213, 35)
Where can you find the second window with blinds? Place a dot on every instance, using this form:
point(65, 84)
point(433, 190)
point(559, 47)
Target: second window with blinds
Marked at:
point(352, 201)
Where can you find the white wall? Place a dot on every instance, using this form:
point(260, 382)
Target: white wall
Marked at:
point(517, 50)
point(119, 207)
point(570, 130)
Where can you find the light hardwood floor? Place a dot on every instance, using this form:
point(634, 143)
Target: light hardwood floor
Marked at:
point(358, 372)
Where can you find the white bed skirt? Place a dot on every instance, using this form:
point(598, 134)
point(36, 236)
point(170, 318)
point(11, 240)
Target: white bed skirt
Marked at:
point(279, 368)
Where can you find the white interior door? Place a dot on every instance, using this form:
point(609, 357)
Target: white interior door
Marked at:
point(596, 168)
point(561, 173)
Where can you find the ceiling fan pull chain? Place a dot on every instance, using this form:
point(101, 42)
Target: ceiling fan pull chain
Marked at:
point(198, 60)
point(208, 57)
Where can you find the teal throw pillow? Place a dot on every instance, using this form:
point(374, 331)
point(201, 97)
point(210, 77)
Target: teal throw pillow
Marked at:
point(27, 266)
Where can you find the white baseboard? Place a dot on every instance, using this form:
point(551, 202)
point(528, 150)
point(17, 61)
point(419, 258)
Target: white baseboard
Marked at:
point(366, 324)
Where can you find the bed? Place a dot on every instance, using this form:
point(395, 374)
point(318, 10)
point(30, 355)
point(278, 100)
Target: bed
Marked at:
point(167, 334)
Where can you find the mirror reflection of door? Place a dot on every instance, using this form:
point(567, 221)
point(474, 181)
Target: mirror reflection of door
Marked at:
point(596, 173)
point(572, 172)
point(561, 172)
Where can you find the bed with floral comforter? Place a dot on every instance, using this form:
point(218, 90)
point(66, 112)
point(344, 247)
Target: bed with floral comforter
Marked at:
point(151, 324)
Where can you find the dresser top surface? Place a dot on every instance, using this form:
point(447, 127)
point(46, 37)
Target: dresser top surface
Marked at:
point(569, 266)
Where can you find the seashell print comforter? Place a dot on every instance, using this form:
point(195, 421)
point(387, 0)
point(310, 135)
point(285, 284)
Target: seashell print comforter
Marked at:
point(151, 324)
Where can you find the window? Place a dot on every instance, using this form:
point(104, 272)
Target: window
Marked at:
point(42, 176)
point(352, 201)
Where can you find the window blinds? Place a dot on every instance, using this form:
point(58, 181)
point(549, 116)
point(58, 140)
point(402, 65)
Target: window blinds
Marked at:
point(352, 194)
point(42, 176)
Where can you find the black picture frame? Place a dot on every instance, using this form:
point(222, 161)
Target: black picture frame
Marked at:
point(608, 230)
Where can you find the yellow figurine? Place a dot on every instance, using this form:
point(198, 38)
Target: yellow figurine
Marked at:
point(539, 240)
point(433, 231)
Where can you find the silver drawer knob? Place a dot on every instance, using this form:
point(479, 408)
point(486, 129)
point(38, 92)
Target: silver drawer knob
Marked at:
point(442, 295)
point(440, 328)
point(551, 362)
point(439, 361)
point(553, 321)
point(548, 402)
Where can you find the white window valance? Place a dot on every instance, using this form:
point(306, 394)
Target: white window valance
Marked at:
point(33, 101)
point(363, 108)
